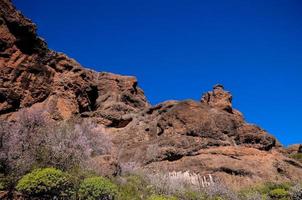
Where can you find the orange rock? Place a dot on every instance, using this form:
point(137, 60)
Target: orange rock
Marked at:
point(203, 137)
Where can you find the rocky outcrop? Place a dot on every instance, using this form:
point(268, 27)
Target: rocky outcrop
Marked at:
point(209, 136)
point(294, 149)
point(34, 76)
point(173, 131)
point(218, 98)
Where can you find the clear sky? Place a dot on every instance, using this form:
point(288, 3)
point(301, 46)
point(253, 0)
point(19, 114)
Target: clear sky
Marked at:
point(179, 49)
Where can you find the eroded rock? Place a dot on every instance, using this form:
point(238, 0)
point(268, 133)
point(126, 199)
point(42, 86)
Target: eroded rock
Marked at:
point(218, 98)
point(205, 137)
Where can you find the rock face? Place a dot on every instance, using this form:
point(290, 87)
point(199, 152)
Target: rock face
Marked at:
point(34, 76)
point(209, 136)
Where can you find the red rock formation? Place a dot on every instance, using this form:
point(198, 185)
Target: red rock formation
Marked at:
point(218, 98)
point(34, 76)
point(205, 137)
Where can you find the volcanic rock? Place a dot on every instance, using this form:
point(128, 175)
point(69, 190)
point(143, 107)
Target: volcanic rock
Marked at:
point(34, 76)
point(218, 98)
point(206, 137)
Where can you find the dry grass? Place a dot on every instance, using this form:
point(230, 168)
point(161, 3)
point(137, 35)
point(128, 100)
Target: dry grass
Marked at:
point(176, 182)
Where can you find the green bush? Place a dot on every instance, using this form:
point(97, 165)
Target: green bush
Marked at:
point(297, 156)
point(97, 188)
point(272, 191)
point(133, 187)
point(2, 186)
point(268, 187)
point(160, 197)
point(251, 195)
point(189, 195)
point(192, 195)
point(2, 182)
point(45, 183)
point(279, 194)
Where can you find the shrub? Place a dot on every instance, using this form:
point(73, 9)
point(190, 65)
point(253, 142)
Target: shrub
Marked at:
point(127, 168)
point(267, 191)
point(279, 193)
point(31, 141)
point(133, 187)
point(2, 186)
point(220, 191)
point(267, 187)
point(70, 145)
point(97, 188)
point(45, 183)
point(160, 197)
point(4, 182)
point(252, 195)
point(190, 195)
point(297, 156)
point(18, 141)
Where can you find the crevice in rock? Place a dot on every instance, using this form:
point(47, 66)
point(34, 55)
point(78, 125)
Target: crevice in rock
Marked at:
point(159, 130)
point(130, 100)
point(134, 88)
point(294, 163)
point(152, 109)
point(234, 172)
point(12, 99)
point(91, 94)
point(3, 45)
point(172, 156)
point(76, 70)
point(119, 123)
point(235, 157)
point(280, 170)
point(26, 41)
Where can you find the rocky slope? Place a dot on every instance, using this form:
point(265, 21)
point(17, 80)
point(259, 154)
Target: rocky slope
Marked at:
point(206, 137)
point(294, 149)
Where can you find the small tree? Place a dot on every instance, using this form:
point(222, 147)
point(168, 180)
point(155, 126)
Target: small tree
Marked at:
point(71, 145)
point(22, 139)
point(33, 141)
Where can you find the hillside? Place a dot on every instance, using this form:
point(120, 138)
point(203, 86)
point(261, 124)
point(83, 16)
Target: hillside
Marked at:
point(205, 137)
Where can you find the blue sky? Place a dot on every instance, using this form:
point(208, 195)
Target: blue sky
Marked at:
point(179, 49)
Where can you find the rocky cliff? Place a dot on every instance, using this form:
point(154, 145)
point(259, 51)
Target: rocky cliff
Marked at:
point(206, 137)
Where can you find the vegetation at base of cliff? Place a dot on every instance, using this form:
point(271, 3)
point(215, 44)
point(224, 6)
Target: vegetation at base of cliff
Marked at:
point(269, 191)
point(134, 187)
point(33, 142)
point(51, 183)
